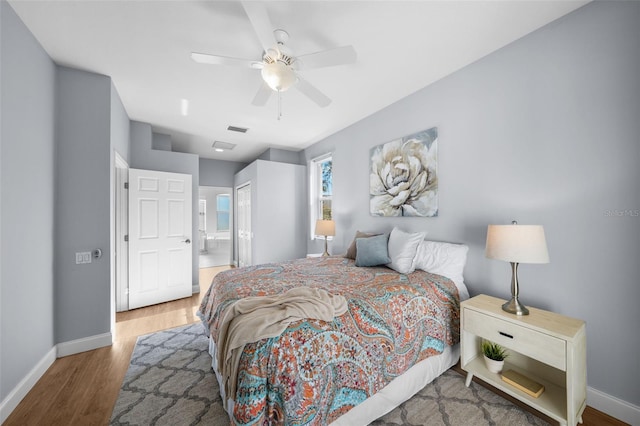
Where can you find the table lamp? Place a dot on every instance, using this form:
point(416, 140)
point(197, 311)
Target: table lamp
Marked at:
point(326, 228)
point(516, 244)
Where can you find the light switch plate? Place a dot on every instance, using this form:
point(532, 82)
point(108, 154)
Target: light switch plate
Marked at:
point(83, 257)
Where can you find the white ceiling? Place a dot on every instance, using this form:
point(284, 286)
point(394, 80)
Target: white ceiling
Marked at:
point(145, 46)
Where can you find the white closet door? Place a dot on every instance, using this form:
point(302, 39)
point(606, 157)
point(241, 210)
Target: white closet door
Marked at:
point(244, 225)
point(159, 237)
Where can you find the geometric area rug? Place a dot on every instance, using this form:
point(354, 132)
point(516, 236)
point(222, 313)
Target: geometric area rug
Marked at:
point(447, 401)
point(170, 382)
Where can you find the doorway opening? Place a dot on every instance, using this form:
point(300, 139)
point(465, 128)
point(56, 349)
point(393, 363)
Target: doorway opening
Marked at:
point(121, 229)
point(215, 217)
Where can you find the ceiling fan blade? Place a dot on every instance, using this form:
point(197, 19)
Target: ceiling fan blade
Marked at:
point(328, 58)
point(312, 93)
point(257, 13)
point(263, 95)
point(204, 58)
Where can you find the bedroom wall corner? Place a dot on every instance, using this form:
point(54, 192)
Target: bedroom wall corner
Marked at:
point(27, 170)
point(83, 214)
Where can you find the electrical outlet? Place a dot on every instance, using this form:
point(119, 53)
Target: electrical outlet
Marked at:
point(83, 257)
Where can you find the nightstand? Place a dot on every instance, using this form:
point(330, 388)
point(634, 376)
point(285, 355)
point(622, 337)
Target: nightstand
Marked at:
point(546, 347)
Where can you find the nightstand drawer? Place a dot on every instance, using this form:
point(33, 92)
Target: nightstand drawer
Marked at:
point(532, 343)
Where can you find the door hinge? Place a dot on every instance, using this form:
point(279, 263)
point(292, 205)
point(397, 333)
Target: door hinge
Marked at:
point(126, 185)
point(126, 238)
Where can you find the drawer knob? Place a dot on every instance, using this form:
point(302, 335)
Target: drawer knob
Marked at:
point(505, 334)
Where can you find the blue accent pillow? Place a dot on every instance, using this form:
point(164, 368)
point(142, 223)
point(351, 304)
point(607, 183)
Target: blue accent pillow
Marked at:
point(372, 251)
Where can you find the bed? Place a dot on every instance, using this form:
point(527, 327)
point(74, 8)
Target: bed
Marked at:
point(398, 333)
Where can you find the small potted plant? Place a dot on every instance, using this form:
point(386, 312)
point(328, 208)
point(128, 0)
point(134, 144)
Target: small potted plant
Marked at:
point(494, 356)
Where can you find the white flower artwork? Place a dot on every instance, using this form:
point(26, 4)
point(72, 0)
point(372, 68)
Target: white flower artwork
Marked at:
point(403, 178)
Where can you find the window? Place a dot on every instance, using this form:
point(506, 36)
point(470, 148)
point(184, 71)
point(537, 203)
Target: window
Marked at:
point(222, 212)
point(321, 191)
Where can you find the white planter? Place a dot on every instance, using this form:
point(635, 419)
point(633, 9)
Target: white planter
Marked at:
point(493, 365)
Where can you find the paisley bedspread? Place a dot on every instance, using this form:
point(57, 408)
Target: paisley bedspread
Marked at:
point(315, 371)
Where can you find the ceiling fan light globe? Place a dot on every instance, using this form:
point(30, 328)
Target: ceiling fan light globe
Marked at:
point(278, 76)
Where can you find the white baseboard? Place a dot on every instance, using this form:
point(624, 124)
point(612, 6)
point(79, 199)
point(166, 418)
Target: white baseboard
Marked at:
point(615, 407)
point(84, 344)
point(22, 389)
point(195, 288)
point(61, 349)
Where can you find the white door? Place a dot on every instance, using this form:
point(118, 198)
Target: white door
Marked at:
point(159, 237)
point(244, 225)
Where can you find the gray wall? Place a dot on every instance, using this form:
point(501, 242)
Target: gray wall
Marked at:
point(278, 195)
point(83, 209)
point(161, 142)
point(218, 172)
point(27, 123)
point(143, 156)
point(544, 131)
point(282, 155)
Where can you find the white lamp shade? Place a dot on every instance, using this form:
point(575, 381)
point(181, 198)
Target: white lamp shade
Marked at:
point(517, 243)
point(325, 227)
point(278, 76)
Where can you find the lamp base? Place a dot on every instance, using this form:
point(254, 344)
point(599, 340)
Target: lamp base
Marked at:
point(514, 306)
point(326, 251)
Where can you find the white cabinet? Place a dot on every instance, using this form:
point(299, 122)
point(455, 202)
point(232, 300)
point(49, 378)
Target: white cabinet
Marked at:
point(271, 226)
point(546, 347)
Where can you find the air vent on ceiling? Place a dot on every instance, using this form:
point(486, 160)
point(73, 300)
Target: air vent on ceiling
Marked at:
point(237, 129)
point(223, 146)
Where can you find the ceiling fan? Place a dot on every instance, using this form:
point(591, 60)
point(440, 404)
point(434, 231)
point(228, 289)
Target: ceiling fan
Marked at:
point(279, 67)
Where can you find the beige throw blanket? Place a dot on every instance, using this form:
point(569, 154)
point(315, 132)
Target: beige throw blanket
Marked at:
point(255, 318)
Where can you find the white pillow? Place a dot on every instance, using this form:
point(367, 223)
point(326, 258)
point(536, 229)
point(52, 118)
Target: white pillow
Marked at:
point(443, 259)
point(403, 247)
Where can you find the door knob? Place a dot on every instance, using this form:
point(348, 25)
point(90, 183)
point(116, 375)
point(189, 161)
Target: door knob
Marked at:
point(188, 241)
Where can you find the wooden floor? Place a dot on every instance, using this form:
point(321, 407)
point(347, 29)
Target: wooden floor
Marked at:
point(82, 389)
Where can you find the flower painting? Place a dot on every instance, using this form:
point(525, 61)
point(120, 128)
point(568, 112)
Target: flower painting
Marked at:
point(403, 178)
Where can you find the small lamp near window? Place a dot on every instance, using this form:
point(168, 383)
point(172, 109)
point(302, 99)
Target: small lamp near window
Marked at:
point(326, 228)
point(516, 244)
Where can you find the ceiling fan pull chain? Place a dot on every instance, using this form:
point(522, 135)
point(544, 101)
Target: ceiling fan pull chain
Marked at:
point(279, 105)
